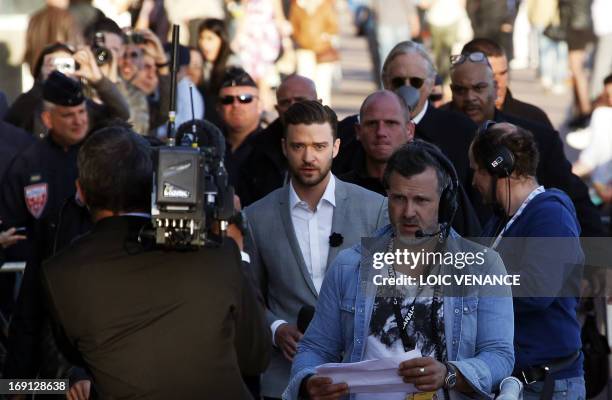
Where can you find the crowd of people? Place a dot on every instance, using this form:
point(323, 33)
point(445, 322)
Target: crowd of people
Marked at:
point(442, 158)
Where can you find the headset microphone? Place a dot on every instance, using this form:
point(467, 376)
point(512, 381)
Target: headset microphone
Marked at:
point(421, 234)
point(448, 198)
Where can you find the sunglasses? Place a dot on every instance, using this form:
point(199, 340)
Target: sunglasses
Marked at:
point(435, 97)
point(399, 81)
point(476, 57)
point(242, 99)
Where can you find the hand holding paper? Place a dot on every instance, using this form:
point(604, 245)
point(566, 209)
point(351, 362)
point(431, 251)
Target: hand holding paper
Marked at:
point(426, 373)
point(380, 376)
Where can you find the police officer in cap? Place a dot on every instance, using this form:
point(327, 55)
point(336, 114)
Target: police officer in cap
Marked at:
point(42, 177)
point(38, 182)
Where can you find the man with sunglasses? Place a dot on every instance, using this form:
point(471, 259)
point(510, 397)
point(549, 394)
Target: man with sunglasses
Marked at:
point(408, 63)
point(240, 111)
point(505, 101)
point(474, 94)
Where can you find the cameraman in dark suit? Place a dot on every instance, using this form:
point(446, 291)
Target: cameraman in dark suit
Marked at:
point(146, 322)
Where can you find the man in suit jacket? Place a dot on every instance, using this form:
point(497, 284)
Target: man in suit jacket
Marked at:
point(505, 102)
point(298, 229)
point(474, 94)
point(143, 321)
point(266, 167)
point(408, 63)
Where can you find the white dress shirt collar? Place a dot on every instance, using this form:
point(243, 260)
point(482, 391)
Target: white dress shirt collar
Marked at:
point(329, 195)
point(420, 115)
point(312, 229)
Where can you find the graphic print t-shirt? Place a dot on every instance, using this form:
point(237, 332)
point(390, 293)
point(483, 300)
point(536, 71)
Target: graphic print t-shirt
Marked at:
point(425, 330)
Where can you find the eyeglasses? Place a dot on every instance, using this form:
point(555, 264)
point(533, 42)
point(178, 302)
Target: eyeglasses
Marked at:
point(242, 99)
point(400, 81)
point(476, 57)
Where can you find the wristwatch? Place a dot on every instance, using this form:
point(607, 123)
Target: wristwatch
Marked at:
point(451, 376)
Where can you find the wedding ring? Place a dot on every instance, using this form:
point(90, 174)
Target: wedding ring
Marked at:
point(422, 370)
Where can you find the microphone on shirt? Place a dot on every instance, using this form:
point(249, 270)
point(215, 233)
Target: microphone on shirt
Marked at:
point(305, 315)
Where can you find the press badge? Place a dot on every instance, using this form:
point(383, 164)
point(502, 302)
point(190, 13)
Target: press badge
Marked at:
point(422, 396)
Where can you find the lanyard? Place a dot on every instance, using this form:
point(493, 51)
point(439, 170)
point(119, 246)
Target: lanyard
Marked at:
point(402, 322)
point(534, 193)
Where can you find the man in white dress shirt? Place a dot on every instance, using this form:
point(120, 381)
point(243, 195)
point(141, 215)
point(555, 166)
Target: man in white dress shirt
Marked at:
point(297, 230)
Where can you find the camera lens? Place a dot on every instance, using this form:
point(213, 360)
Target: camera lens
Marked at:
point(102, 54)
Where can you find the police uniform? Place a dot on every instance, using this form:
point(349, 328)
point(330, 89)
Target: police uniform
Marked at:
point(37, 185)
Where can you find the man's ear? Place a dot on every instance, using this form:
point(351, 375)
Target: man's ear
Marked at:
point(46, 119)
point(336, 147)
point(284, 146)
point(358, 132)
point(410, 129)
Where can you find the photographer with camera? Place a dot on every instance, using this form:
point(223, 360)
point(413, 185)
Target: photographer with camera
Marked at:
point(107, 44)
point(81, 65)
point(145, 80)
point(195, 323)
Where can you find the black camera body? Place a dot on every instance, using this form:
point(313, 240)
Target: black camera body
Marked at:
point(135, 38)
point(191, 190)
point(178, 209)
point(101, 53)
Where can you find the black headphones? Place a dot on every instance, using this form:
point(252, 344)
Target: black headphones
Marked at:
point(499, 160)
point(448, 199)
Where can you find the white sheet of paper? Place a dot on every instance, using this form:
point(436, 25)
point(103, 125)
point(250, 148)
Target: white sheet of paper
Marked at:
point(371, 376)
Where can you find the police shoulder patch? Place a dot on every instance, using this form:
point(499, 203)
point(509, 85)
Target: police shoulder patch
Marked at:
point(36, 198)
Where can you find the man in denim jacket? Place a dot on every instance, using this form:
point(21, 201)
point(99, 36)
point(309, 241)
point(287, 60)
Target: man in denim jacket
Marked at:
point(464, 333)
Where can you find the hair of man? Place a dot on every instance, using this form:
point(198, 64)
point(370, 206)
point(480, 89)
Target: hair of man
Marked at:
point(310, 112)
point(115, 170)
point(516, 139)
point(412, 159)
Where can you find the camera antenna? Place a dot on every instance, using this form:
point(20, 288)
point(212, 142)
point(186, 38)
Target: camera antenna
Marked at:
point(193, 123)
point(171, 130)
point(192, 110)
